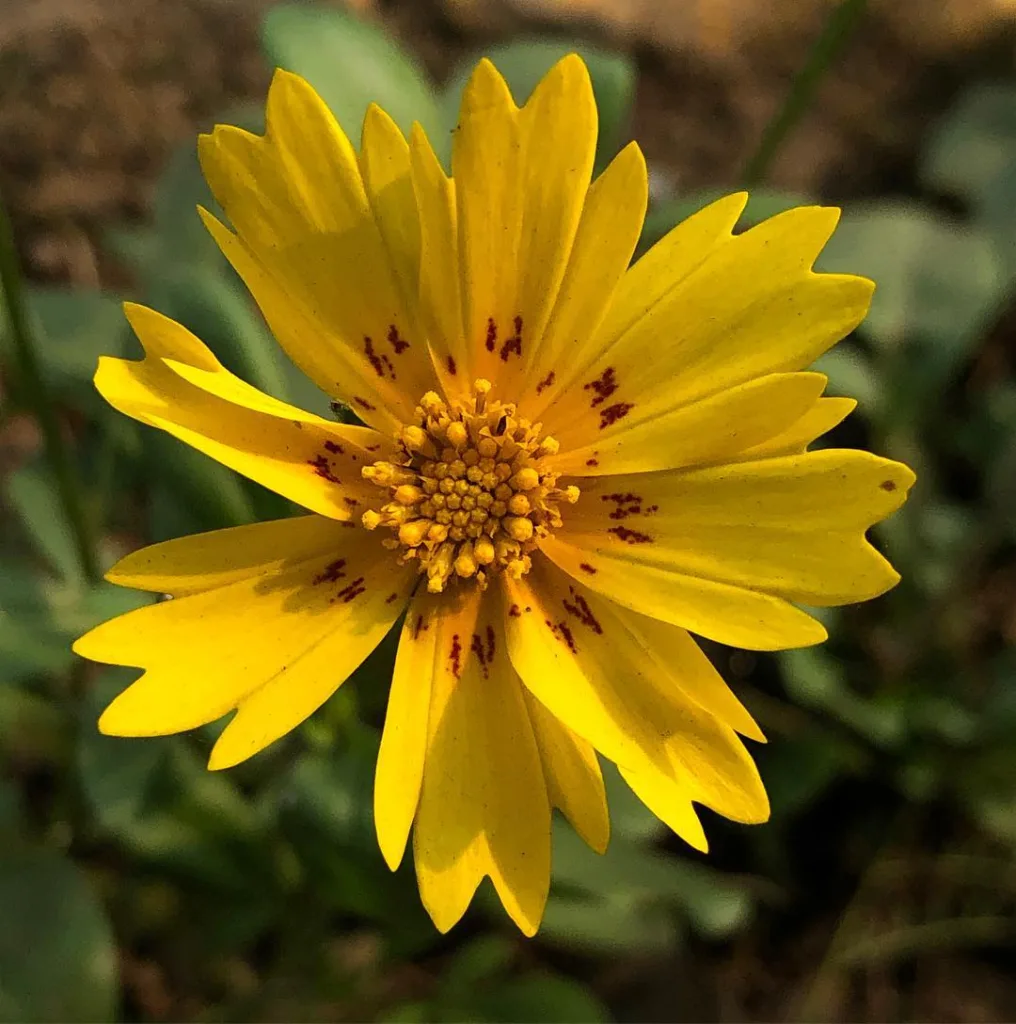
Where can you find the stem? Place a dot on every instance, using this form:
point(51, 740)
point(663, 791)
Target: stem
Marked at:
point(39, 400)
point(836, 32)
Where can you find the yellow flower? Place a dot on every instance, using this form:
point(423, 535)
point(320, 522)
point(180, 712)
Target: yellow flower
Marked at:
point(567, 465)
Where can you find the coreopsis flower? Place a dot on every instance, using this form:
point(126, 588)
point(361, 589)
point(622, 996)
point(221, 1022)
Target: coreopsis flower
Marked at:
point(568, 465)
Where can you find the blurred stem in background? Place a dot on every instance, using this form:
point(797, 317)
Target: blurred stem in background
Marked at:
point(838, 29)
point(38, 397)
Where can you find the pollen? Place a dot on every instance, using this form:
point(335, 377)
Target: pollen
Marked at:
point(468, 491)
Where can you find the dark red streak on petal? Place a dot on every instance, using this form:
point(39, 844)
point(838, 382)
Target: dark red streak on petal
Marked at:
point(491, 335)
point(514, 612)
point(603, 387)
point(579, 607)
point(545, 383)
point(323, 468)
point(514, 343)
point(364, 404)
point(355, 589)
point(563, 633)
point(390, 598)
point(613, 413)
point(419, 627)
point(334, 448)
point(630, 536)
point(586, 567)
point(455, 656)
point(399, 344)
point(332, 572)
point(452, 368)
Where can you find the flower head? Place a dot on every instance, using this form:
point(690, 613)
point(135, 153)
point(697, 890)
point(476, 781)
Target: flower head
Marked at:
point(567, 465)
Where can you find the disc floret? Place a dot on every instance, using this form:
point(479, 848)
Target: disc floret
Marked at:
point(469, 491)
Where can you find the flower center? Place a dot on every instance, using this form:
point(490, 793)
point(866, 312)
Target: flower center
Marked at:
point(469, 492)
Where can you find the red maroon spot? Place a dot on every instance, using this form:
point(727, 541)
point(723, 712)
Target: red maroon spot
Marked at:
point(381, 363)
point(399, 344)
point(514, 612)
point(545, 383)
point(888, 485)
point(586, 567)
point(514, 343)
point(323, 468)
point(484, 655)
point(355, 589)
point(592, 462)
point(335, 449)
point(390, 598)
point(331, 573)
point(613, 413)
point(364, 404)
point(603, 387)
point(625, 505)
point(419, 627)
point(455, 656)
point(452, 368)
point(579, 607)
point(630, 536)
point(563, 633)
point(491, 334)
point(351, 502)
point(373, 447)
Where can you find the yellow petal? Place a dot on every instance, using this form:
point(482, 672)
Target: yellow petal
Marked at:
point(793, 527)
point(825, 414)
point(558, 137)
point(666, 799)
point(483, 805)
point(681, 660)
point(607, 234)
point(521, 178)
point(385, 167)
point(732, 615)
point(488, 167)
point(585, 665)
point(181, 388)
point(313, 255)
point(574, 782)
point(713, 429)
point(651, 280)
point(423, 642)
point(207, 561)
point(441, 309)
point(753, 307)
point(277, 643)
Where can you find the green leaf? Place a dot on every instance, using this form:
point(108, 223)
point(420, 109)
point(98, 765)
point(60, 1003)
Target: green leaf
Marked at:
point(116, 773)
point(32, 494)
point(851, 375)
point(937, 282)
point(32, 729)
point(524, 62)
point(58, 960)
point(629, 874)
point(539, 997)
point(74, 329)
point(814, 678)
point(608, 926)
point(351, 64)
point(974, 143)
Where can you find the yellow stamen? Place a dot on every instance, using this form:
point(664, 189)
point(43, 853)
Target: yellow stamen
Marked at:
point(468, 492)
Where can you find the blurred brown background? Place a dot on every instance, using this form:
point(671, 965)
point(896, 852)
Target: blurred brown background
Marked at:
point(97, 92)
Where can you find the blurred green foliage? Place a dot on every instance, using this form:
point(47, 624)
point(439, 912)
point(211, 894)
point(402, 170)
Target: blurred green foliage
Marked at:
point(262, 890)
